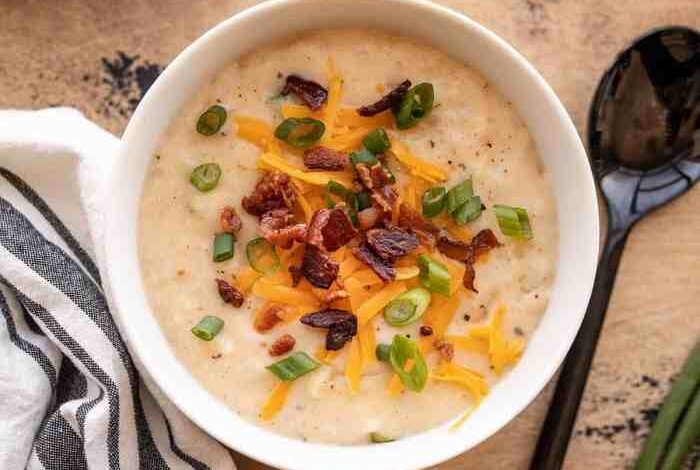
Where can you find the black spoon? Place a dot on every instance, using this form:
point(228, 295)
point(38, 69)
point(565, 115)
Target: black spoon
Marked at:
point(644, 146)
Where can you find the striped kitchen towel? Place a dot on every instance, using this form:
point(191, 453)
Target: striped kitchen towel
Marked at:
point(71, 397)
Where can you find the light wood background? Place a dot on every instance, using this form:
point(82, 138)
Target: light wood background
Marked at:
point(52, 52)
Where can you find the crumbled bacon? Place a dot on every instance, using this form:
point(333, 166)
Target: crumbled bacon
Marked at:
point(414, 221)
point(278, 228)
point(391, 243)
point(341, 325)
point(310, 92)
point(385, 197)
point(364, 174)
point(379, 176)
point(229, 220)
point(273, 191)
point(282, 345)
point(334, 295)
point(381, 268)
point(330, 229)
point(323, 158)
point(297, 274)
point(267, 318)
point(468, 253)
point(388, 101)
point(368, 218)
point(446, 350)
point(229, 294)
point(318, 268)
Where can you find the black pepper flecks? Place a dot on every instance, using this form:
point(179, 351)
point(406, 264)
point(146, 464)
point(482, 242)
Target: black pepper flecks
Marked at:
point(125, 80)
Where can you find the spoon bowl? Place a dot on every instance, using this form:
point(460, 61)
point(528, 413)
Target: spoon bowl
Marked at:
point(644, 147)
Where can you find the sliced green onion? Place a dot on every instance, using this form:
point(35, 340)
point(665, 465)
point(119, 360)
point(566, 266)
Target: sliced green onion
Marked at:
point(408, 307)
point(211, 120)
point(433, 201)
point(224, 244)
point(469, 211)
point(363, 156)
point(402, 349)
point(382, 352)
point(364, 200)
point(262, 256)
point(379, 438)
point(300, 132)
point(293, 366)
point(416, 105)
point(333, 188)
point(205, 177)
point(434, 275)
point(377, 141)
point(513, 221)
point(459, 195)
point(208, 327)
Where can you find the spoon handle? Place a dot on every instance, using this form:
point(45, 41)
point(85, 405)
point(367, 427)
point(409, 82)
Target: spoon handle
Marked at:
point(556, 431)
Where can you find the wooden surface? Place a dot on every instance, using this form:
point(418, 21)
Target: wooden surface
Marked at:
point(65, 52)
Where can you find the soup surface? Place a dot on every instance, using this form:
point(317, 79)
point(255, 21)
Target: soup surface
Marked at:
point(472, 132)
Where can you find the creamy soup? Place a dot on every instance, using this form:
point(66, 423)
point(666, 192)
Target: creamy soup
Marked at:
point(468, 339)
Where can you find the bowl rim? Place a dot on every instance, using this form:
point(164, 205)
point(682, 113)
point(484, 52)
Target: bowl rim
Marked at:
point(298, 457)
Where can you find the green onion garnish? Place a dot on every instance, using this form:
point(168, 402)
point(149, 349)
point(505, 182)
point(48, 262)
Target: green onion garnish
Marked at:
point(208, 327)
point(364, 200)
point(262, 256)
point(382, 352)
point(433, 201)
point(294, 366)
point(333, 188)
point(205, 177)
point(377, 141)
point(379, 438)
point(363, 156)
point(402, 349)
point(459, 195)
point(416, 105)
point(434, 275)
point(513, 221)
point(408, 307)
point(224, 244)
point(300, 132)
point(469, 211)
point(211, 120)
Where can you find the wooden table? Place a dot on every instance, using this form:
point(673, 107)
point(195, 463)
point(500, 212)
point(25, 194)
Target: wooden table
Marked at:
point(80, 52)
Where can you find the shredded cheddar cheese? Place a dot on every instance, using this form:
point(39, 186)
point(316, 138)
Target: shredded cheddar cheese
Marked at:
point(502, 353)
point(367, 277)
point(353, 367)
point(245, 279)
point(275, 401)
point(469, 343)
point(318, 178)
point(378, 301)
point(257, 132)
point(368, 342)
point(417, 166)
point(284, 294)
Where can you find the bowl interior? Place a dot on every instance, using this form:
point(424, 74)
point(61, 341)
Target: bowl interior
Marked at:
point(559, 148)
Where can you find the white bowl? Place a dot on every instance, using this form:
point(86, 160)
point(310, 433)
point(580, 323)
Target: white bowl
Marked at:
point(558, 145)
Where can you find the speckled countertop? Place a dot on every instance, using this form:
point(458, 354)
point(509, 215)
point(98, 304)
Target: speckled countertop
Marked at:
point(101, 56)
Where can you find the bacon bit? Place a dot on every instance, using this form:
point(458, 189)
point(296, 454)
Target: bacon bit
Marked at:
point(282, 345)
point(323, 158)
point(364, 174)
point(383, 269)
point(273, 191)
point(426, 330)
point(229, 220)
point(414, 221)
point(229, 294)
point(391, 243)
point(335, 295)
point(341, 325)
point(468, 253)
point(310, 92)
point(385, 197)
point(330, 229)
point(368, 218)
point(276, 226)
point(388, 101)
point(446, 350)
point(267, 318)
point(318, 268)
point(379, 176)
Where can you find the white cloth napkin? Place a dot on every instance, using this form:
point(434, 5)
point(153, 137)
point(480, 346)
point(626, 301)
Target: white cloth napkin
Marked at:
point(70, 395)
